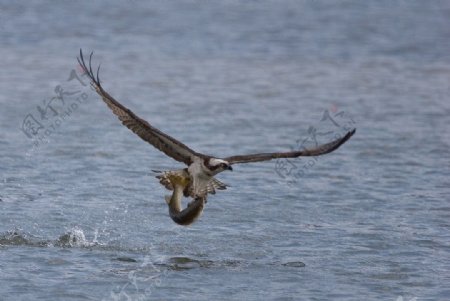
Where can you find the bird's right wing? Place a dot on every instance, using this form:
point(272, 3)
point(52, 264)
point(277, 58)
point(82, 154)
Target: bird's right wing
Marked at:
point(168, 145)
point(316, 151)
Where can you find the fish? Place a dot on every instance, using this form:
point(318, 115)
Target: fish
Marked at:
point(179, 181)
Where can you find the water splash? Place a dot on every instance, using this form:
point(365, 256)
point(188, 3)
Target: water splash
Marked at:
point(74, 238)
point(14, 238)
point(17, 238)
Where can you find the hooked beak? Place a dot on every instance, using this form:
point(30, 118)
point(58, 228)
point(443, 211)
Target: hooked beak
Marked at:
point(230, 168)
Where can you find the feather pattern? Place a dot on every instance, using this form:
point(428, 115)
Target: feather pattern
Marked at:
point(163, 142)
point(316, 151)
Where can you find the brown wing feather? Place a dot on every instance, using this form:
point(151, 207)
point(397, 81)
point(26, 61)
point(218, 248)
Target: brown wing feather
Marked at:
point(163, 142)
point(319, 150)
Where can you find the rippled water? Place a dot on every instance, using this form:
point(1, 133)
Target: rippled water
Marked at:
point(83, 218)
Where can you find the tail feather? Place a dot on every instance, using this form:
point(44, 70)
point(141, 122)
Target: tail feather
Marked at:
point(218, 185)
point(212, 185)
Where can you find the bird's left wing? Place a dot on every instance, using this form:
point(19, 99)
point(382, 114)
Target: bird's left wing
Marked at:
point(316, 151)
point(168, 145)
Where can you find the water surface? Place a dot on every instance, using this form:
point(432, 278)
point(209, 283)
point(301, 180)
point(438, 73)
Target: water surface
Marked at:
point(83, 218)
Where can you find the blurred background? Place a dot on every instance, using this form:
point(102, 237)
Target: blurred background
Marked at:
point(83, 218)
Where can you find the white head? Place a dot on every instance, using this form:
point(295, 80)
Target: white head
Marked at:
point(217, 165)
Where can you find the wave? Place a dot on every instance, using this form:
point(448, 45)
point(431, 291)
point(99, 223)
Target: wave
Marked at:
point(75, 238)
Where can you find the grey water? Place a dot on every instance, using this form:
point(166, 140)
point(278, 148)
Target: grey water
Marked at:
point(83, 218)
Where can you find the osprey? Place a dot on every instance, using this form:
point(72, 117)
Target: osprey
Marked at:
point(197, 179)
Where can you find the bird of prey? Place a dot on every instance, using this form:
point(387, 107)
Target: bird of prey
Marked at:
point(199, 175)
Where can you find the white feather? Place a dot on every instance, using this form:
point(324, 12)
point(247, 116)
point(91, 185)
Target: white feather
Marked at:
point(215, 161)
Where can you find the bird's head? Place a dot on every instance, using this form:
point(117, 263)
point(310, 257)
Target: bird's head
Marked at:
point(218, 165)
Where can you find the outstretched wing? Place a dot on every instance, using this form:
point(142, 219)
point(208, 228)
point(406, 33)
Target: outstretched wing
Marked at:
point(319, 150)
point(168, 145)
